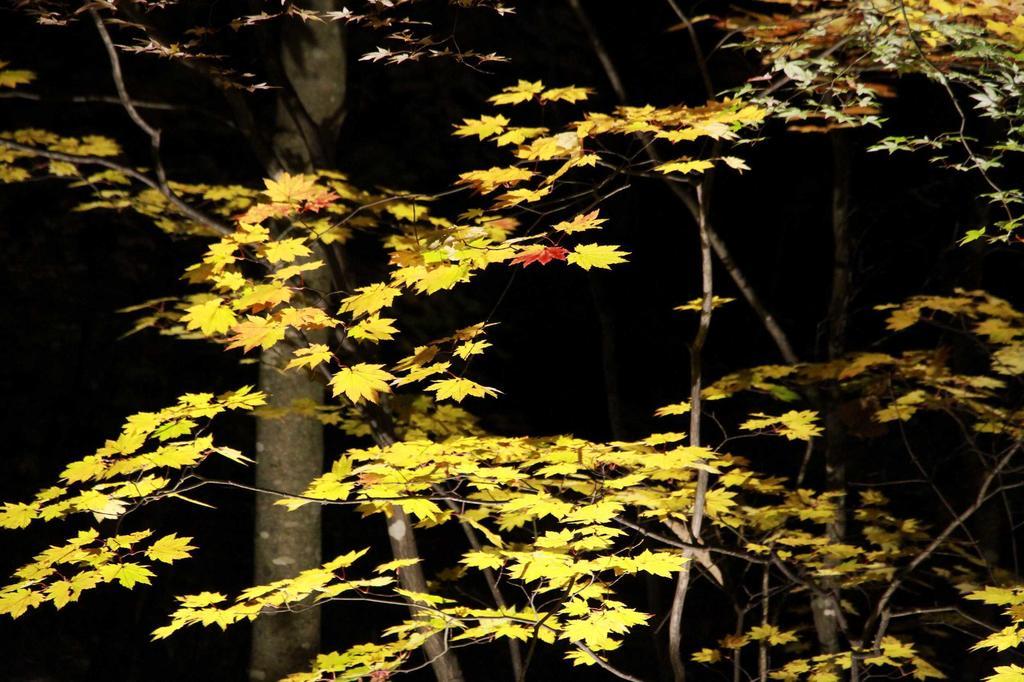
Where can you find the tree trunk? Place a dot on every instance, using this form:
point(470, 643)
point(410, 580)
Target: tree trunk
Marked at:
point(309, 62)
point(836, 441)
point(289, 453)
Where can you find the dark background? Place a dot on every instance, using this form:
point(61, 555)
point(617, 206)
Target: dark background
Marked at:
point(69, 379)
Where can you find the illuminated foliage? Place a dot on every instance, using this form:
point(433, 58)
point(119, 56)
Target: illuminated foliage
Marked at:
point(558, 527)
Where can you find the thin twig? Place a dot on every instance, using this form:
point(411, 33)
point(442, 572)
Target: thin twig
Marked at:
point(126, 101)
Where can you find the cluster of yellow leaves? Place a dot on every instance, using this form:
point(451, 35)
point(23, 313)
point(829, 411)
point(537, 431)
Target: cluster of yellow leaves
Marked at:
point(555, 512)
point(575, 496)
point(249, 310)
point(794, 425)
point(1011, 598)
point(870, 555)
point(121, 473)
point(523, 183)
point(581, 624)
point(12, 161)
point(716, 120)
point(895, 654)
point(126, 472)
point(314, 585)
point(525, 91)
point(255, 277)
point(60, 574)
point(991, 318)
point(895, 387)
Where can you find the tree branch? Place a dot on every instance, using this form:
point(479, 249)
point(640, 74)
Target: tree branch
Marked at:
point(169, 194)
point(721, 250)
point(697, 517)
point(980, 499)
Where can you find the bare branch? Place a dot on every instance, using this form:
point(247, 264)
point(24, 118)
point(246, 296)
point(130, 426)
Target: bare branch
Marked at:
point(126, 100)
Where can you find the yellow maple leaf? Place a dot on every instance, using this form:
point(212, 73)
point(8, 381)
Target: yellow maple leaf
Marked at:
point(570, 93)
point(61, 592)
point(1009, 359)
point(369, 299)
point(736, 163)
point(998, 596)
point(12, 78)
point(373, 328)
point(517, 196)
point(458, 388)
point(91, 466)
point(244, 398)
point(1007, 673)
point(229, 280)
point(361, 382)
point(17, 602)
point(523, 91)
point(282, 274)
point(257, 331)
point(262, 296)
point(396, 564)
point(465, 350)
point(597, 256)
point(210, 317)
point(685, 166)
point(248, 233)
point(581, 657)
point(310, 357)
point(551, 147)
point(794, 425)
point(483, 559)
point(673, 409)
point(443, 277)
point(306, 318)
point(599, 512)
point(129, 574)
point(169, 548)
point(707, 656)
point(291, 189)
point(697, 304)
point(663, 564)
point(286, 250)
point(1007, 638)
point(196, 601)
point(482, 127)
point(492, 178)
point(419, 373)
point(518, 135)
point(17, 514)
point(221, 254)
point(771, 634)
point(584, 221)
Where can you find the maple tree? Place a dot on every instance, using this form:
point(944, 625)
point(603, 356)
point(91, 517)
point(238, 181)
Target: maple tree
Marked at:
point(547, 543)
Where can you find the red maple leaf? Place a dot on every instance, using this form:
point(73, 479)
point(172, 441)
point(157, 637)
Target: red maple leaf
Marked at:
point(320, 201)
point(542, 255)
